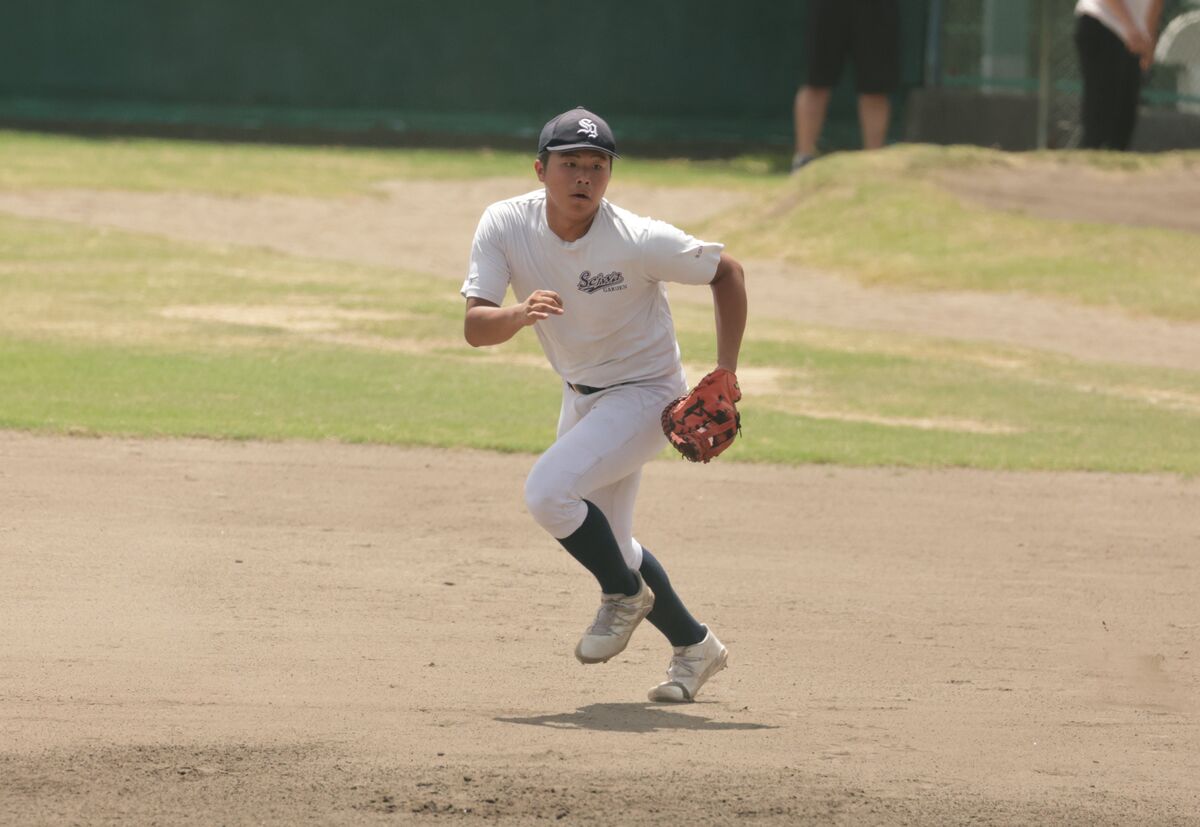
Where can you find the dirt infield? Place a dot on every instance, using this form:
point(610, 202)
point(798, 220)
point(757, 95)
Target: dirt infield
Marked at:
point(207, 632)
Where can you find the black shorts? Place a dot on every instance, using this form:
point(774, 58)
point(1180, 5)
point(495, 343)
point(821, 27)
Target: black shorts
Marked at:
point(868, 30)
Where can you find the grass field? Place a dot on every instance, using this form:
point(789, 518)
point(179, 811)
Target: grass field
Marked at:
point(881, 219)
point(110, 332)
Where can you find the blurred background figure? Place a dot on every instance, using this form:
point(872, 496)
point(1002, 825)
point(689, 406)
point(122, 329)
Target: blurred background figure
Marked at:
point(868, 31)
point(1116, 40)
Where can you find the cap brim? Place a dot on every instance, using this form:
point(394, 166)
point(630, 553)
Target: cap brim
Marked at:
point(591, 147)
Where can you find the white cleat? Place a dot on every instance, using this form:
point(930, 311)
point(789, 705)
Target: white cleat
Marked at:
point(690, 667)
point(619, 615)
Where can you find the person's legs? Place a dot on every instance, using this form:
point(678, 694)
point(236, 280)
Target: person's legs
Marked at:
point(554, 500)
point(812, 103)
point(876, 47)
point(874, 114)
point(698, 653)
point(604, 439)
point(670, 616)
point(593, 467)
point(595, 547)
point(1126, 97)
point(1098, 64)
point(617, 500)
point(827, 42)
point(690, 668)
point(622, 607)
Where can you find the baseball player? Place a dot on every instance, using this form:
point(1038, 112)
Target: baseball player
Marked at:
point(589, 278)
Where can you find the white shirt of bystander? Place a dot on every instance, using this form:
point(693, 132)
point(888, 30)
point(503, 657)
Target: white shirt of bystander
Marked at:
point(1139, 11)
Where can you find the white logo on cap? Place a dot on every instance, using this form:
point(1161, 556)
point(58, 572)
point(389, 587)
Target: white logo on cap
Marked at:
point(588, 127)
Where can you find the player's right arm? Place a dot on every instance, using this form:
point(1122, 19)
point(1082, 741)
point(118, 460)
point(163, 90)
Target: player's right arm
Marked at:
point(487, 323)
point(489, 276)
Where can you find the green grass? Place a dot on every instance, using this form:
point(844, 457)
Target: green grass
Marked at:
point(94, 341)
point(107, 332)
point(878, 218)
point(34, 160)
point(312, 393)
point(1061, 416)
point(950, 404)
point(882, 220)
point(56, 277)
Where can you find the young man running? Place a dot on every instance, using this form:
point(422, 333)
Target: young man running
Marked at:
point(589, 278)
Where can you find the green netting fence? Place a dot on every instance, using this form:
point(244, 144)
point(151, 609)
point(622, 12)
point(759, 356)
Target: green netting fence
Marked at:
point(1027, 47)
point(675, 72)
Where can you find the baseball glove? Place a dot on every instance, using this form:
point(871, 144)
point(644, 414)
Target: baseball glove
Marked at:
point(703, 424)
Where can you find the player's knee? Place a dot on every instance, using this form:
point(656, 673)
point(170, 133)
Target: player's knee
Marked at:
point(550, 505)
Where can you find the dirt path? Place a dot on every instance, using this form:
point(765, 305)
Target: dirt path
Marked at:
point(426, 226)
point(1165, 198)
point(421, 226)
point(205, 632)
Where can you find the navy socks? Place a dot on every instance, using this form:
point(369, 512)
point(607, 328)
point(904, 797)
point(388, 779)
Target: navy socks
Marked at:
point(669, 615)
point(594, 545)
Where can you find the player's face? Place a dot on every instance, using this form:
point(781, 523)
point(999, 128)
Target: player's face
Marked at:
point(575, 181)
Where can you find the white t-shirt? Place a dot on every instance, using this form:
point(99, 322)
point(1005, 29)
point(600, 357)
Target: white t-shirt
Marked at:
point(616, 325)
point(1138, 10)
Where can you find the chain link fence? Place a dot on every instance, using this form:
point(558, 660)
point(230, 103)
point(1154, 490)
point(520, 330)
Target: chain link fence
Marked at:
point(1027, 47)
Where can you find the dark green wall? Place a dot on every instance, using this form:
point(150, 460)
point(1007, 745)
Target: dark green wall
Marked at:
point(684, 70)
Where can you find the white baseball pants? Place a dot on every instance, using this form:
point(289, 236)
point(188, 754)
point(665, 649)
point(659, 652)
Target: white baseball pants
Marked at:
point(604, 439)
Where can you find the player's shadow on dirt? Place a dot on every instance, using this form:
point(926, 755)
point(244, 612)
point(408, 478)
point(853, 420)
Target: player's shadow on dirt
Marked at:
point(630, 717)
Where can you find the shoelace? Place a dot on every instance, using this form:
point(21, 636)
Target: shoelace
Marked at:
point(681, 665)
point(612, 611)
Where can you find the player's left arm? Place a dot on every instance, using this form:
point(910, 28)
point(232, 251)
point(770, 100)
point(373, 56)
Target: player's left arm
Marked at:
point(729, 308)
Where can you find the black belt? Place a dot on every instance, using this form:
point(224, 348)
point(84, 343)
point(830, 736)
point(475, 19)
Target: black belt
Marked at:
point(587, 390)
point(584, 389)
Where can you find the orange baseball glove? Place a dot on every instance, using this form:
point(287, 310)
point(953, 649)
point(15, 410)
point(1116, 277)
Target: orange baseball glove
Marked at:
point(703, 424)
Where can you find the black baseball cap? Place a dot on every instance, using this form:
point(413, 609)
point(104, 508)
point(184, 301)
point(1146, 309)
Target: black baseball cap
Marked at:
point(577, 129)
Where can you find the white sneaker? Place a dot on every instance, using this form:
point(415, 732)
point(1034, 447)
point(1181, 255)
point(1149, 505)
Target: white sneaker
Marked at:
point(619, 615)
point(690, 668)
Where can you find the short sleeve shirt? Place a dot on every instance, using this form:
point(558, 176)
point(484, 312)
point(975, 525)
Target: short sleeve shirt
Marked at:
point(1138, 9)
point(616, 326)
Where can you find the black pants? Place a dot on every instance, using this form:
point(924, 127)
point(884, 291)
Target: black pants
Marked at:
point(866, 30)
point(1112, 84)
